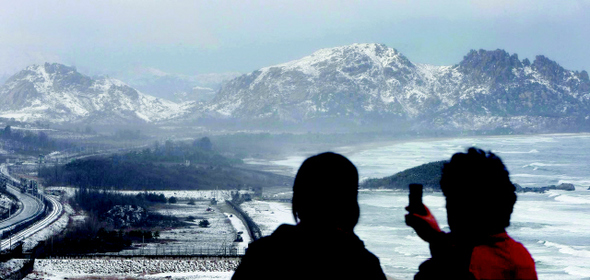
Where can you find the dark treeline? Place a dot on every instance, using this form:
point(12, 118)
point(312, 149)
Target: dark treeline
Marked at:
point(427, 174)
point(98, 202)
point(84, 239)
point(28, 142)
point(177, 166)
point(113, 173)
point(199, 151)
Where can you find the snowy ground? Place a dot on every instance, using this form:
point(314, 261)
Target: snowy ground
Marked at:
point(268, 215)
point(240, 227)
point(140, 268)
point(8, 267)
point(219, 235)
point(5, 203)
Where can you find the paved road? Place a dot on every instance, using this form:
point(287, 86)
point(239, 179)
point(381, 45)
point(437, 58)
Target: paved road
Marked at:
point(51, 217)
point(30, 206)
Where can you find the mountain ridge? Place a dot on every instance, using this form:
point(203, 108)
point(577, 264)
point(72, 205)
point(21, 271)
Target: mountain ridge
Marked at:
point(367, 83)
point(354, 87)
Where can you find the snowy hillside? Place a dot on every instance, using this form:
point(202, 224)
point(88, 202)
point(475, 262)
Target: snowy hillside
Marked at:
point(57, 93)
point(369, 83)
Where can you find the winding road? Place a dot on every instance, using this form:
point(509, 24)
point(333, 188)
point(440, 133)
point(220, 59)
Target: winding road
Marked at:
point(50, 218)
point(30, 208)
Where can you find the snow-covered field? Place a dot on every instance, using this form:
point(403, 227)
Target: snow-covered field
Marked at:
point(140, 268)
point(268, 215)
point(220, 233)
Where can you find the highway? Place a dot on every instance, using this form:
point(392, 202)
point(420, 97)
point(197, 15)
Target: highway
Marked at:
point(30, 208)
point(51, 217)
point(29, 205)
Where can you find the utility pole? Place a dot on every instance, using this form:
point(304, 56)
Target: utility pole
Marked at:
point(41, 157)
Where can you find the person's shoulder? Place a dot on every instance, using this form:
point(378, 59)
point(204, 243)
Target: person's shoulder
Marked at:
point(516, 247)
point(523, 262)
point(369, 255)
point(281, 235)
point(520, 256)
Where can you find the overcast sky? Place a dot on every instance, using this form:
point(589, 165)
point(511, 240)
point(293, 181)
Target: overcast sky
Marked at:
point(197, 37)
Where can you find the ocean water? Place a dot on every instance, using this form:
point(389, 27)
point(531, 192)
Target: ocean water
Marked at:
point(553, 226)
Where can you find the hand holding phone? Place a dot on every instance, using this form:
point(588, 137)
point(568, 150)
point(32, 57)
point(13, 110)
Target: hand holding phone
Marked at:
point(416, 205)
point(420, 218)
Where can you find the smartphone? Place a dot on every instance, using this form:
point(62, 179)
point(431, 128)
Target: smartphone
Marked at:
point(416, 205)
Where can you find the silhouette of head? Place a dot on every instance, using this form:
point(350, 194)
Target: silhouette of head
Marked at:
point(325, 192)
point(479, 194)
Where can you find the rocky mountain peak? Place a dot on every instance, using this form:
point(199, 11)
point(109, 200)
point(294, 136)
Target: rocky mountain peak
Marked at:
point(491, 66)
point(548, 68)
point(56, 68)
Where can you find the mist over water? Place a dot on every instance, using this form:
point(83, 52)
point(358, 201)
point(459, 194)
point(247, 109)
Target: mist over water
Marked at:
point(554, 226)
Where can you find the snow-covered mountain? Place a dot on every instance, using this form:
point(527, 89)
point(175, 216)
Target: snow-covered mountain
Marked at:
point(369, 83)
point(58, 93)
point(360, 86)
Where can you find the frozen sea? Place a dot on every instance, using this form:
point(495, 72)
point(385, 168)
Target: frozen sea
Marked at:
point(554, 226)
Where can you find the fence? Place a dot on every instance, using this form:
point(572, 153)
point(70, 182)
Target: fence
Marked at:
point(253, 228)
point(164, 251)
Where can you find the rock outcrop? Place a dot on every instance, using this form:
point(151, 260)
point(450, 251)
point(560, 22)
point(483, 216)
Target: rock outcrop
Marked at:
point(126, 215)
point(563, 187)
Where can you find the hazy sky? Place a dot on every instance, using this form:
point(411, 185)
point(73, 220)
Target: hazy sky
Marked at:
point(196, 37)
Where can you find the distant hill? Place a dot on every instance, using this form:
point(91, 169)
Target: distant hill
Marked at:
point(427, 174)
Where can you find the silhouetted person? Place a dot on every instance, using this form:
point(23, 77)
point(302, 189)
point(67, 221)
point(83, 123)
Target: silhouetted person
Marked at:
point(480, 199)
point(322, 245)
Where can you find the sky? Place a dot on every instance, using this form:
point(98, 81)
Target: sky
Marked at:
point(199, 37)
